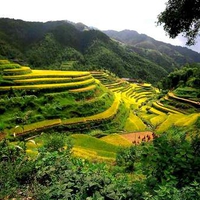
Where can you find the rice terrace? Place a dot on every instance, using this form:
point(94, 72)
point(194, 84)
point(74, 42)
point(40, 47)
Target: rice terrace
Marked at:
point(83, 101)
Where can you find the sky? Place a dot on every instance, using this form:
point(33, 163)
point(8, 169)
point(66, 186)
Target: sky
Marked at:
point(138, 15)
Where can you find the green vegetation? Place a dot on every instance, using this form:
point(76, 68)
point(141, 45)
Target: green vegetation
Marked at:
point(187, 76)
point(165, 55)
point(185, 23)
point(167, 168)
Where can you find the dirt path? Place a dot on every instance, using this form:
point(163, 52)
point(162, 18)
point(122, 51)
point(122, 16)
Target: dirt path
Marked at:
point(138, 137)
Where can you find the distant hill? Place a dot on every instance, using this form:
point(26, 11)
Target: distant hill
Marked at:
point(161, 53)
point(75, 46)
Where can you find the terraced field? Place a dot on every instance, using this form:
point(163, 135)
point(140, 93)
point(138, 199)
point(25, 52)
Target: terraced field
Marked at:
point(146, 111)
point(64, 100)
point(35, 101)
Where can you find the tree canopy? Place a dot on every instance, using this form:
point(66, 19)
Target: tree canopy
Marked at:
point(181, 16)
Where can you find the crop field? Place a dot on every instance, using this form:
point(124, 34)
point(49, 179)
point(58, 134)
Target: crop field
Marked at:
point(134, 123)
point(110, 112)
point(81, 102)
point(117, 140)
point(91, 87)
point(92, 148)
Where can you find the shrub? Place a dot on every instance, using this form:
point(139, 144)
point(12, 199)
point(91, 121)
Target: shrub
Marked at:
point(1, 126)
point(198, 123)
point(54, 142)
point(126, 158)
point(172, 159)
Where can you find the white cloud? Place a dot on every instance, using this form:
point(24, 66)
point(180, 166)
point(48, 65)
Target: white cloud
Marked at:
point(138, 15)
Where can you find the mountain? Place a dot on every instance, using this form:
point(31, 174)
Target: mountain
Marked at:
point(161, 53)
point(75, 46)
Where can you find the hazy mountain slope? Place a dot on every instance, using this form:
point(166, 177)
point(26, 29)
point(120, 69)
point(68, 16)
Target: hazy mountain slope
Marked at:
point(159, 52)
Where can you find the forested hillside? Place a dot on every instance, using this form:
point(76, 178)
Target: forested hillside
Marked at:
point(69, 46)
point(163, 54)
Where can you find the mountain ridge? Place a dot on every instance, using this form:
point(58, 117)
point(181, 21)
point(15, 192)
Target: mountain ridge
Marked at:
point(138, 42)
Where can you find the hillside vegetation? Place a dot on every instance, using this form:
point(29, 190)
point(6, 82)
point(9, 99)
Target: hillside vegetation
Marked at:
point(163, 54)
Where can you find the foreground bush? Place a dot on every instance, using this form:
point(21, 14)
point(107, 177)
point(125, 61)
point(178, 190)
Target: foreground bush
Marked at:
point(170, 163)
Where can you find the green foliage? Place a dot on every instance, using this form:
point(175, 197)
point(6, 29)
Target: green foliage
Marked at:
point(16, 169)
point(126, 158)
point(181, 17)
point(171, 164)
point(121, 62)
point(172, 158)
point(45, 53)
point(188, 75)
point(169, 192)
point(1, 126)
point(198, 123)
point(54, 141)
point(57, 176)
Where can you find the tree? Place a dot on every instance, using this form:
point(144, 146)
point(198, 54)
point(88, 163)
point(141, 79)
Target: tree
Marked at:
point(181, 16)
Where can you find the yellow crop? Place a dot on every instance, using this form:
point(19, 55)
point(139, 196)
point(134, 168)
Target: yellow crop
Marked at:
point(163, 108)
point(158, 119)
point(134, 123)
point(170, 121)
point(24, 68)
point(91, 87)
point(188, 120)
point(110, 112)
point(117, 140)
point(18, 130)
point(48, 73)
point(46, 86)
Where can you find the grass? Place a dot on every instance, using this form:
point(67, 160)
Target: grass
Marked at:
point(186, 92)
point(155, 111)
point(90, 87)
point(2, 62)
point(17, 71)
point(94, 155)
point(162, 108)
point(8, 66)
point(41, 80)
point(83, 102)
point(194, 103)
